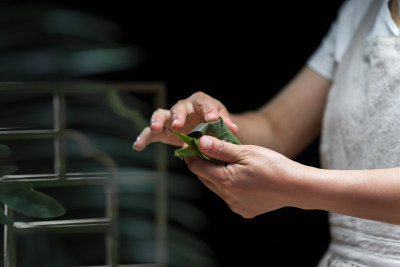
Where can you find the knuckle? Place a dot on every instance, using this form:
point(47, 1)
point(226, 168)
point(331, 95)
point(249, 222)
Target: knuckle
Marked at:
point(198, 94)
point(179, 108)
point(243, 154)
point(231, 181)
point(158, 112)
point(202, 101)
point(174, 107)
point(220, 148)
point(180, 102)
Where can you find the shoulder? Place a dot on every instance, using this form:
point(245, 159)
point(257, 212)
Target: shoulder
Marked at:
point(351, 12)
point(348, 19)
point(324, 60)
point(354, 7)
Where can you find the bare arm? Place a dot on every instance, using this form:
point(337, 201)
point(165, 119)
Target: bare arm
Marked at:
point(369, 194)
point(291, 120)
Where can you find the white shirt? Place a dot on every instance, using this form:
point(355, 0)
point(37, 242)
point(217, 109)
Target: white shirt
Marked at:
point(324, 60)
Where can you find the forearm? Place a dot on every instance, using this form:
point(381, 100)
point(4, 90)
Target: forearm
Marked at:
point(255, 129)
point(289, 121)
point(368, 194)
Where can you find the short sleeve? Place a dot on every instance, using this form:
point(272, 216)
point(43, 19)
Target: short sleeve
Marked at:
point(325, 58)
point(322, 60)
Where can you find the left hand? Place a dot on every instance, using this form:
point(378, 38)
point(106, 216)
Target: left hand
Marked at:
point(255, 180)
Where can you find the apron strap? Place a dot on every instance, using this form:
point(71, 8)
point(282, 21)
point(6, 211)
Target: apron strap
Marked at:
point(362, 31)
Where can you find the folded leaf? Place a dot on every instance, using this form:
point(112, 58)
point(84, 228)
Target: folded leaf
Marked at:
point(216, 129)
point(185, 151)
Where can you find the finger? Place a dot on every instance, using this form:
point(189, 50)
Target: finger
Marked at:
point(213, 173)
point(148, 136)
point(220, 150)
point(179, 113)
point(142, 140)
point(159, 119)
point(211, 109)
point(206, 106)
point(231, 125)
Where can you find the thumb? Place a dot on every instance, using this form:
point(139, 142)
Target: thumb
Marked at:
point(218, 149)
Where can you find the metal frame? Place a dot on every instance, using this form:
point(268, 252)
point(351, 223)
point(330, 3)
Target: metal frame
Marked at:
point(60, 177)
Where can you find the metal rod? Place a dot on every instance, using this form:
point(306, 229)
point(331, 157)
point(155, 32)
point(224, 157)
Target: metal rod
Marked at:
point(59, 110)
point(10, 259)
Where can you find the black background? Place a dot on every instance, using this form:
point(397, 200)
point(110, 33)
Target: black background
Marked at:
point(242, 55)
point(242, 58)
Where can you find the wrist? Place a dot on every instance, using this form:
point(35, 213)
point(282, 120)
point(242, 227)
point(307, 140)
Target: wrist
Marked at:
point(308, 187)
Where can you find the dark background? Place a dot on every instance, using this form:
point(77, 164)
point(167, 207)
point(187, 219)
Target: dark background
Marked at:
point(242, 58)
point(241, 55)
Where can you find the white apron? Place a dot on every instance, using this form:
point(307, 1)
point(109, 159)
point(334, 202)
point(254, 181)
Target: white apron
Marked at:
point(361, 130)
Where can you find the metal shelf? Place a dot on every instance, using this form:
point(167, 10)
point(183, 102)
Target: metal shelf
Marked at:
point(62, 178)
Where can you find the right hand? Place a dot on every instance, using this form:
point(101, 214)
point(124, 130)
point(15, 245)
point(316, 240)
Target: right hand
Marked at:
point(183, 117)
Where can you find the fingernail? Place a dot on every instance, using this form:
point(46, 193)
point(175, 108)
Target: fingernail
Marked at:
point(134, 143)
point(174, 122)
point(236, 127)
point(205, 142)
point(210, 116)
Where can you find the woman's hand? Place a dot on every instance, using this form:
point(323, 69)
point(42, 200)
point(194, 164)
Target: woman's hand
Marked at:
point(255, 180)
point(182, 117)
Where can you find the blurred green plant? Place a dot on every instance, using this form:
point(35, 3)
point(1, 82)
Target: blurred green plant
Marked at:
point(120, 108)
point(23, 198)
point(47, 43)
point(42, 42)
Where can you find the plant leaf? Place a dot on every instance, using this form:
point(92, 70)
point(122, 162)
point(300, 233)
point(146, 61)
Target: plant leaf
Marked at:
point(216, 129)
point(22, 198)
point(187, 139)
point(185, 151)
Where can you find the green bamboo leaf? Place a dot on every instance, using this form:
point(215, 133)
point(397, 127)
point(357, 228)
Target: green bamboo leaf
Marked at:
point(185, 151)
point(216, 129)
point(22, 198)
point(187, 139)
point(204, 156)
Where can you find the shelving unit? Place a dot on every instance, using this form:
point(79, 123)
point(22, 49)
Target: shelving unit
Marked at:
point(109, 179)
